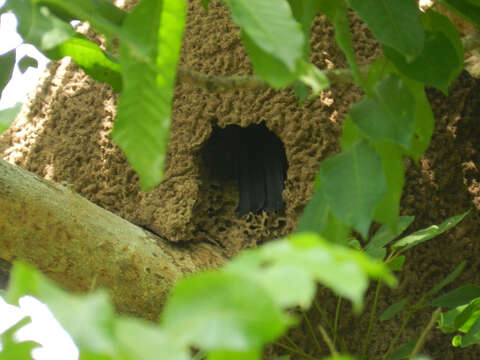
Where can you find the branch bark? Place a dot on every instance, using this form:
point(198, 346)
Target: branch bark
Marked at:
point(82, 246)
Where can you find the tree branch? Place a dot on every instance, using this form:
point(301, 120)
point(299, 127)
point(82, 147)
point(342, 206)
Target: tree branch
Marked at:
point(79, 244)
point(222, 84)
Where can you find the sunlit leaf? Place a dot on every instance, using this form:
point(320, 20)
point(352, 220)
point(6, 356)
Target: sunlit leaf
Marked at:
point(91, 59)
point(27, 62)
point(7, 63)
point(142, 125)
point(385, 235)
point(423, 235)
point(139, 339)
point(271, 26)
point(344, 270)
point(13, 349)
point(8, 115)
point(241, 316)
point(394, 23)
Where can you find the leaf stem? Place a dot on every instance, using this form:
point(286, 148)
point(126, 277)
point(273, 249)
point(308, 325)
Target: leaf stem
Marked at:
point(328, 341)
point(336, 320)
point(371, 321)
point(324, 316)
point(400, 332)
point(295, 351)
point(423, 336)
point(309, 324)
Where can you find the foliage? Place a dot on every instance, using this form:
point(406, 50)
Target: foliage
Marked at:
point(233, 312)
point(230, 313)
point(360, 185)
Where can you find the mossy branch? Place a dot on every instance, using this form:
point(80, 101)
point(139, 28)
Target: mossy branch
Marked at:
point(222, 84)
point(80, 245)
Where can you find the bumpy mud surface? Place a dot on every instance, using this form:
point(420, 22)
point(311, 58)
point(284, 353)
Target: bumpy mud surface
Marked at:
point(63, 135)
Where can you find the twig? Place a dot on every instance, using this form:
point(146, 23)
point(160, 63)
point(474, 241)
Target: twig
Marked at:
point(328, 341)
point(371, 321)
point(317, 343)
point(324, 315)
point(335, 321)
point(423, 336)
point(295, 351)
point(222, 84)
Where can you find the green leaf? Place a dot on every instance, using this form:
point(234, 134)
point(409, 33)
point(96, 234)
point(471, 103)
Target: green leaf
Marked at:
point(469, 314)
point(101, 17)
point(8, 115)
point(312, 76)
point(441, 59)
point(223, 311)
point(205, 4)
point(91, 59)
point(315, 214)
point(93, 334)
point(473, 335)
point(337, 12)
point(460, 296)
point(23, 11)
point(278, 75)
point(423, 235)
point(304, 11)
point(404, 351)
point(395, 23)
point(142, 125)
point(424, 120)
point(351, 134)
point(393, 169)
point(301, 91)
point(101, 8)
point(27, 62)
point(267, 66)
point(465, 8)
point(354, 183)
point(139, 339)
point(385, 235)
point(343, 270)
point(396, 264)
point(457, 340)
point(7, 64)
point(271, 26)
point(46, 30)
point(318, 218)
point(389, 115)
point(448, 279)
point(335, 231)
point(392, 310)
point(446, 322)
point(11, 348)
point(235, 355)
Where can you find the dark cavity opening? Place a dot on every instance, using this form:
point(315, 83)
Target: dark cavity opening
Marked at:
point(254, 158)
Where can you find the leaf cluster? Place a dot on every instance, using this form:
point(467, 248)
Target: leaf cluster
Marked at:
point(230, 313)
point(360, 185)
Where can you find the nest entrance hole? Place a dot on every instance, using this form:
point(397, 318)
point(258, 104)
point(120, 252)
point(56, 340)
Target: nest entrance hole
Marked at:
point(253, 159)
